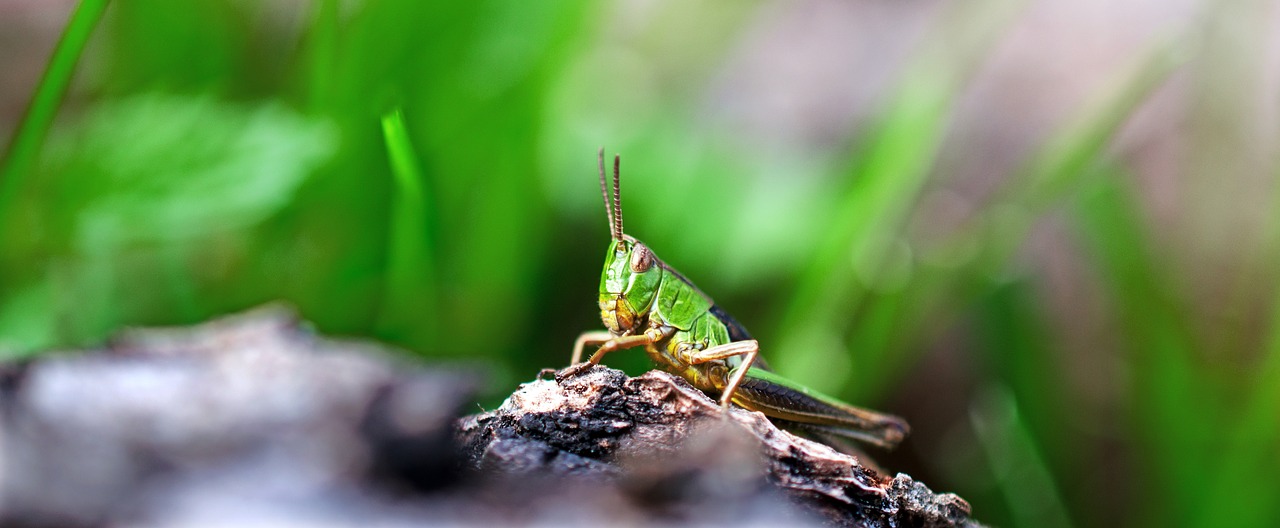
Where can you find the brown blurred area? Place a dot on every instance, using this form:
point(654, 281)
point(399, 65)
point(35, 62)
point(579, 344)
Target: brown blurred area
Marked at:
point(28, 31)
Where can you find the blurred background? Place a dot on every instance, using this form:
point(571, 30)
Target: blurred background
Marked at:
point(1044, 231)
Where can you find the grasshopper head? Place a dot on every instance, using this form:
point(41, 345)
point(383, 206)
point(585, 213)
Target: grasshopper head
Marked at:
point(628, 285)
point(631, 274)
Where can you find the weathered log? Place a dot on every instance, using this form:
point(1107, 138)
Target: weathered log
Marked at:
point(253, 420)
point(656, 435)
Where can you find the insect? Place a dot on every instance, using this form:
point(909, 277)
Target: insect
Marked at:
point(646, 303)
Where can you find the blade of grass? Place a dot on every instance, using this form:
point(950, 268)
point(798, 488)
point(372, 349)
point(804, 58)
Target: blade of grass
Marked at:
point(321, 55)
point(1066, 159)
point(1056, 170)
point(1242, 485)
point(409, 297)
point(1066, 163)
point(1062, 167)
point(1220, 164)
point(873, 342)
point(865, 224)
point(1019, 347)
point(1170, 403)
point(34, 126)
point(1019, 470)
point(886, 180)
point(982, 249)
point(1242, 489)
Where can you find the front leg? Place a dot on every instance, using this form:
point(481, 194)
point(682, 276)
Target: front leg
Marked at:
point(650, 336)
point(597, 337)
point(750, 348)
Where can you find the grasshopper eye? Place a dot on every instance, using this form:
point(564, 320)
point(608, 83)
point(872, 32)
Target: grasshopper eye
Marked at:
point(641, 259)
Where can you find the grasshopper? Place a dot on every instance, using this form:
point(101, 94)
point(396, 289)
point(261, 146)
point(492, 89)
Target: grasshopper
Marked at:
point(644, 302)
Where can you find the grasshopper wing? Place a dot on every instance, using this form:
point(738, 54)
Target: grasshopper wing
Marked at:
point(794, 405)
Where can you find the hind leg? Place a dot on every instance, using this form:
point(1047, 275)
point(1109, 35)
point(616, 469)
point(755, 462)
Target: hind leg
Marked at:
point(750, 349)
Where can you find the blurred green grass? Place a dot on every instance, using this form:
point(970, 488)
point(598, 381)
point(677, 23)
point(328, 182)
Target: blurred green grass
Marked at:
point(423, 174)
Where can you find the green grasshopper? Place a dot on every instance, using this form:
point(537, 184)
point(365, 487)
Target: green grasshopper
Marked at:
point(646, 303)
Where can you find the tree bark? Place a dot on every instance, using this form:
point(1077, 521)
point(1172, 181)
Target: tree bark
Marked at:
point(669, 448)
point(254, 420)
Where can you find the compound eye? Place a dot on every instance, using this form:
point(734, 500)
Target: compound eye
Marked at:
point(641, 259)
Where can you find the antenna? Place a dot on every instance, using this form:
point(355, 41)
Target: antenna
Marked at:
point(617, 198)
point(604, 192)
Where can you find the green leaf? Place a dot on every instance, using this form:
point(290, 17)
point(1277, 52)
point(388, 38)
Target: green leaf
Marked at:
point(409, 298)
point(158, 168)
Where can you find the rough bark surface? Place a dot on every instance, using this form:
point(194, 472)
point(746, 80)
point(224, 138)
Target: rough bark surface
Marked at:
point(658, 436)
point(253, 420)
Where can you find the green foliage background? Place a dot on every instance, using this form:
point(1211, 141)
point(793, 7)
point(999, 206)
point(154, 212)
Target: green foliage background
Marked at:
point(423, 173)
